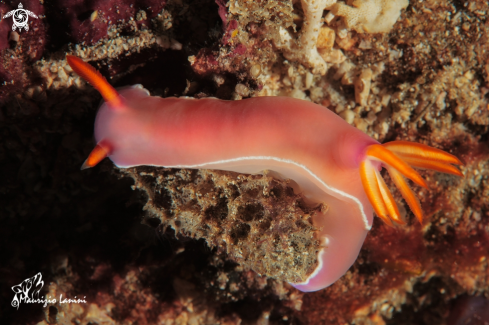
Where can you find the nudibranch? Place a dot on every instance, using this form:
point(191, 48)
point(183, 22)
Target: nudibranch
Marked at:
point(332, 162)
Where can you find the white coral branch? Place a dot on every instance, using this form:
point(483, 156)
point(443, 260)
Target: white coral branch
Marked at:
point(370, 16)
point(305, 50)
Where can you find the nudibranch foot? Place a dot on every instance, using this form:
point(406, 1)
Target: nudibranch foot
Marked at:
point(398, 157)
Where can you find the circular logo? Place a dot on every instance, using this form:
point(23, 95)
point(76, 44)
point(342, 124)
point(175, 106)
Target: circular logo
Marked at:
point(20, 17)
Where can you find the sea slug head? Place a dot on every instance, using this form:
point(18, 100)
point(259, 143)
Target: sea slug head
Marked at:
point(119, 126)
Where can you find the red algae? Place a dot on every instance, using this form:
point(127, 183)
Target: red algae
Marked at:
point(222, 12)
point(5, 27)
point(469, 311)
point(88, 22)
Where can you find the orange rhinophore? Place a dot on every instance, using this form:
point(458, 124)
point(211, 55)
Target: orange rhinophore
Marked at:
point(87, 72)
point(100, 152)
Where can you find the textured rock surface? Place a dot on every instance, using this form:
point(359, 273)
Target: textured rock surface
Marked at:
point(259, 222)
point(429, 83)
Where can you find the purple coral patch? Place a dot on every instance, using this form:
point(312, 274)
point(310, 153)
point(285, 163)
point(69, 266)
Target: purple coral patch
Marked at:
point(10, 77)
point(88, 29)
point(228, 34)
point(223, 12)
point(5, 27)
point(240, 49)
point(205, 62)
point(470, 311)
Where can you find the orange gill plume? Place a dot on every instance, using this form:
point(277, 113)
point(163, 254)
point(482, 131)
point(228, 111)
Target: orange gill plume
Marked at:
point(398, 157)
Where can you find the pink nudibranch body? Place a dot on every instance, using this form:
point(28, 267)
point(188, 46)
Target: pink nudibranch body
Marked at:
point(300, 140)
point(332, 162)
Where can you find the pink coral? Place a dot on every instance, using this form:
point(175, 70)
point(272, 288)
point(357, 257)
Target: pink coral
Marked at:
point(223, 12)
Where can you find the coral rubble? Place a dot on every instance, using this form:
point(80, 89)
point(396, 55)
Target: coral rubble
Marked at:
point(370, 16)
point(305, 48)
point(260, 223)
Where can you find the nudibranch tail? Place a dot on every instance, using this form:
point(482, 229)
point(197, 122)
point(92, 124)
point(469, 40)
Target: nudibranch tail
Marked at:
point(90, 74)
point(398, 157)
point(101, 150)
